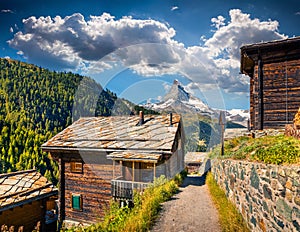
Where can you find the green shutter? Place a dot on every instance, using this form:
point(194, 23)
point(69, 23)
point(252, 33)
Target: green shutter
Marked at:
point(76, 202)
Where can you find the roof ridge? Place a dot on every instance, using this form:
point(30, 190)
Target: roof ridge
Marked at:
point(17, 173)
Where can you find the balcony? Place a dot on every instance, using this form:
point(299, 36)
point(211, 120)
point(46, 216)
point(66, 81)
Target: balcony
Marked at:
point(124, 190)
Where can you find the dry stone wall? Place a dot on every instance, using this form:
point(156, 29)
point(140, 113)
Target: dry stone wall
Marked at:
point(268, 196)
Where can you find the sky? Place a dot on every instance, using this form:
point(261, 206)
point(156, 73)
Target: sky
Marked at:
point(137, 48)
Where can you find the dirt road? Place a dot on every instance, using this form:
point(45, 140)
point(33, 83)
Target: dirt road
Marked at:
point(191, 210)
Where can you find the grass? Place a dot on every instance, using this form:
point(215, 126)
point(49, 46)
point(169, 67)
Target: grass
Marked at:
point(269, 149)
point(145, 210)
point(230, 218)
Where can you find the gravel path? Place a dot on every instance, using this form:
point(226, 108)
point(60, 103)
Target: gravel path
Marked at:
point(190, 210)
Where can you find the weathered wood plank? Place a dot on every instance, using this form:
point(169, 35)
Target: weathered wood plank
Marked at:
point(281, 95)
point(94, 184)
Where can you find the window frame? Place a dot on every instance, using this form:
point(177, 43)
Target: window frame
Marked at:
point(80, 208)
point(74, 167)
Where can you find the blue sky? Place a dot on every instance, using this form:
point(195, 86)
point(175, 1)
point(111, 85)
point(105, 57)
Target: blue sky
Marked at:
point(137, 48)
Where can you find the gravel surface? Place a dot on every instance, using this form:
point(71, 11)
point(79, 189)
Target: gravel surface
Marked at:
point(190, 210)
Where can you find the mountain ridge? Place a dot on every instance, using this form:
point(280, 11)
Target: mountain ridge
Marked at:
point(179, 100)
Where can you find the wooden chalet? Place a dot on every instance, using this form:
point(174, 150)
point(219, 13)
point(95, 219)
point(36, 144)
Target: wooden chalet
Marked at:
point(27, 199)
point(274, 70)
point(101, 158)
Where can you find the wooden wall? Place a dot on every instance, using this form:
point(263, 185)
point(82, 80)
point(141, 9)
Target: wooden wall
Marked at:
point(28, 215)
point(281, 94)
point(94, 184)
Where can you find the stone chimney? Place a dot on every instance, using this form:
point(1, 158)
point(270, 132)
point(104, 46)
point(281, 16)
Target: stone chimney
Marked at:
point(141, 121)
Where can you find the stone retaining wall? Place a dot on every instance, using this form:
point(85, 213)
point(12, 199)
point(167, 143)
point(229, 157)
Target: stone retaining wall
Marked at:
point(268, 196)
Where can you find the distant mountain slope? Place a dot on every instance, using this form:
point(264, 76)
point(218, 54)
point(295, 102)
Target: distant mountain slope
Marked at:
point(36, 103)
point(237, 116)
point(181, 101)
point(200, 121)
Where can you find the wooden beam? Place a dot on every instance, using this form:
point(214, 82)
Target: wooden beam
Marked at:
point(61, 192)
point(114, 169)
point(261, 95)
point(132, 171)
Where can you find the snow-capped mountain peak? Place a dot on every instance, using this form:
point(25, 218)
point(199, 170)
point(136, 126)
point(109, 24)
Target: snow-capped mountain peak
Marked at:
point(177, 93)
point(179, 100)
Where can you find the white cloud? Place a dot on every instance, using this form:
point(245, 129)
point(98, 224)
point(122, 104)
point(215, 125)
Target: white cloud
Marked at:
point(147, 46)
point(167, 87)
point(174, 8)
point(11, 30)
point(240, 30)
point(218, 22)
point(7, 11)
point(73, 40)
point(223, 46)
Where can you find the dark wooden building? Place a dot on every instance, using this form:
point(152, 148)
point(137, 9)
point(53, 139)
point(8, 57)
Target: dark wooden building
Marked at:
point(27, 199)
point(274, 70)
point(101, 158)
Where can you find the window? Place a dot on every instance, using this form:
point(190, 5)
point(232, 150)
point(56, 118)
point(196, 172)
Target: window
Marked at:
point(77, 167)
point(76, 201)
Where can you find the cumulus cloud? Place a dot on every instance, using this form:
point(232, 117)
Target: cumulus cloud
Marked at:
point(147, 46)
point(223, 46)
point(218, 22)
point(73, 40)
point(240, 30)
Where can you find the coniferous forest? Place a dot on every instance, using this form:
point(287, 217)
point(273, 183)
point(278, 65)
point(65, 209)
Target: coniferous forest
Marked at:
point(36, 104)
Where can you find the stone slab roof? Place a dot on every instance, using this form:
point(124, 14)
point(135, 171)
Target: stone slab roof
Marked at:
point(133, 156)
point(117, 133)
point(19, 188)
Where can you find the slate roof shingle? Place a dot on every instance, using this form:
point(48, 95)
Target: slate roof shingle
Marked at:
point(18, 188)
point(117, 133)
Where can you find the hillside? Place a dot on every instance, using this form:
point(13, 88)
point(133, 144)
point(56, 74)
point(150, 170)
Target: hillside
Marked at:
point(277, 149)
point(36, 103)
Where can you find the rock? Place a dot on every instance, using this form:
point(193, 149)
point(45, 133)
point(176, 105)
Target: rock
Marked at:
point(284, 209)
point(254, 179)
point(267, 192)
point(297, 199)
point(296, 212)
point(274, 184)
point(289, 184)
point(289, 195)
point(262, 225)
point(296, 224)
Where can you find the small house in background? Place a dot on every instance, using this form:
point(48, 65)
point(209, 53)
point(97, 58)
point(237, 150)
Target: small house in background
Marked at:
point(101, 158)
point(274, 70)
point(27, 199)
